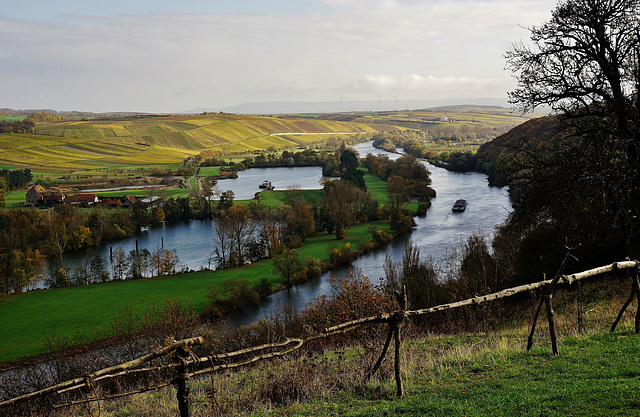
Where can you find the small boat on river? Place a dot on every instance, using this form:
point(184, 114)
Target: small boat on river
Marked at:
point(459, 206)
point(267, 185)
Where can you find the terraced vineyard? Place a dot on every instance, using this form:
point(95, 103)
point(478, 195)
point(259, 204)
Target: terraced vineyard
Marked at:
point(218, 132)
point(95, 145)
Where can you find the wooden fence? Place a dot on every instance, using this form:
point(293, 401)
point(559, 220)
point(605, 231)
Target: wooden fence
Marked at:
point(183, 357)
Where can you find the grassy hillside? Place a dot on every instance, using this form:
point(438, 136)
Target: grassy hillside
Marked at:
point(484, 373)
point(220, 132)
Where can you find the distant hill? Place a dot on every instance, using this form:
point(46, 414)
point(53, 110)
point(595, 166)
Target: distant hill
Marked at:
point(386, 104)
point(68, 114)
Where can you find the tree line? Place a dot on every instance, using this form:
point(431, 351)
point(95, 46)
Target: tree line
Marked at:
point(19, 126)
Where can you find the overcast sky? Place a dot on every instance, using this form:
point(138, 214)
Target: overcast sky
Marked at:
point(170, 56)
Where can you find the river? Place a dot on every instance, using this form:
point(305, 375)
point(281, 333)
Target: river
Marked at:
point(437, 234)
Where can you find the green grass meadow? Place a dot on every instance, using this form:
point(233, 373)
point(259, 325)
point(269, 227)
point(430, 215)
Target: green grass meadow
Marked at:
point(208, 171)
point(15, 198)
point(596, 375)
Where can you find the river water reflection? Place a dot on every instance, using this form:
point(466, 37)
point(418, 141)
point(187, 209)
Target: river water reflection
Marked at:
point(246, 185)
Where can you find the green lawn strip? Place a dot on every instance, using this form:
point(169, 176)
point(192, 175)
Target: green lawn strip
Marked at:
point(376, 186)
point(28, 319)
point(208, 171)
point(277, 198)
point(15, 198)
point(595, 375)
point(194, 183)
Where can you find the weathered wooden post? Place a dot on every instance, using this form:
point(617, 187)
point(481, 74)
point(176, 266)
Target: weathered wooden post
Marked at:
point(395, 324)
point(396, 331)
point(546, 299)
point(382, 355)
point(552, 323)
point(182, 381)
point(635, 292)
point(400, 316)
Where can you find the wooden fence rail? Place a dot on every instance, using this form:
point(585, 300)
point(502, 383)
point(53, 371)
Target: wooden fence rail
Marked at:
point(221, 361)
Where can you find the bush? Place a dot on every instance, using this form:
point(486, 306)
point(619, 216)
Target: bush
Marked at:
point(312, 266)
point(352, 296)
point(343, 255)
point(235, 293)
point(379, 237)
point(263, 288)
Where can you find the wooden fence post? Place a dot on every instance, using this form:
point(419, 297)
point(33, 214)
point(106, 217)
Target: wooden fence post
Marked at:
point(399, 389)
point(635, 292)
point(395, 323)
point(382, 355)
point(552, 323)
point(400, 317)
point(182, 381)
point(546, 298)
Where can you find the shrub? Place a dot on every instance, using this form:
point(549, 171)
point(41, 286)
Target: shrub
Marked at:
point(235, 293)
point(352, 296)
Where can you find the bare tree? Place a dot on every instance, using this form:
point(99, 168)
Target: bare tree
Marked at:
point(585, 64)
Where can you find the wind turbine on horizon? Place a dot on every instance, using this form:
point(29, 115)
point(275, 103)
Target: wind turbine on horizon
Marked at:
point(380, 101)
point(341, 97)
point(396, 97)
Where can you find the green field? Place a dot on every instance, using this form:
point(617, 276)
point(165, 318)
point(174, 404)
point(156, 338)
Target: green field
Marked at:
point(208, 171)
point(12, 118)
point(277, 198)
point(15, 198)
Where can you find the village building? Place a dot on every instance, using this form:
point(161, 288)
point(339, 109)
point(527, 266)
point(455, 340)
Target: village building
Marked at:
point(128, 201)
point(53, 196)
point(44, 196)
point(34, 194)
point(82, 198)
